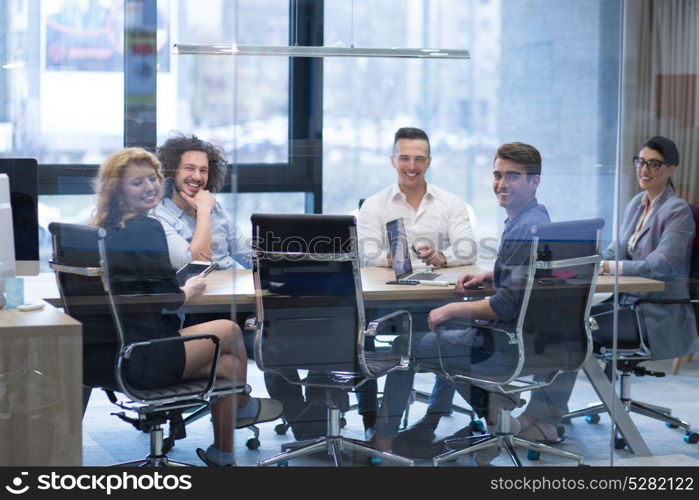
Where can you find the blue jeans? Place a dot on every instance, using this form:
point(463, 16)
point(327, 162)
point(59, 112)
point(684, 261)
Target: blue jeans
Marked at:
point(441, 397)
point(439, 403)
point(475, 351)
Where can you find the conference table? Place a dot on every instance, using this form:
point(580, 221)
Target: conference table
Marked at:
point(234, 291)
point(224, 288)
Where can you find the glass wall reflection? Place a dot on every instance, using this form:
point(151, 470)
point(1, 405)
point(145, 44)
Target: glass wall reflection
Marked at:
point(502, 243)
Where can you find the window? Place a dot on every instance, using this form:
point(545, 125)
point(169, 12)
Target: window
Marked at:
point(539, 81)
point(238, 103)
point(443, 97)
point(62, 80)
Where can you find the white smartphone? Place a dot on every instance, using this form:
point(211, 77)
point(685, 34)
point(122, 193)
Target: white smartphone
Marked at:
point(194, 268)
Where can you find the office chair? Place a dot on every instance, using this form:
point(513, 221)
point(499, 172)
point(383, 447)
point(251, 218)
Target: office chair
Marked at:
point(631, 355)
point(80, 261)
point(551, 334)
point(310, 316)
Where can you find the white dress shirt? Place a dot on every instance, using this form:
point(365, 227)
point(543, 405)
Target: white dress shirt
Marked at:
point(441, 220)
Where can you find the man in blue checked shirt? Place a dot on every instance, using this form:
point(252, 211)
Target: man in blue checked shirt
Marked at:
point(516, 177)
point(196, 225)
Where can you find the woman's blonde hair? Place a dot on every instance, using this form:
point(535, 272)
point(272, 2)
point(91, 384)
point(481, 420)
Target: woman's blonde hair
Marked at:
point(110, 209)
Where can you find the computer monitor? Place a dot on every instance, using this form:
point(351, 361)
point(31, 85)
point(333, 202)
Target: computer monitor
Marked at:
point(24, 198)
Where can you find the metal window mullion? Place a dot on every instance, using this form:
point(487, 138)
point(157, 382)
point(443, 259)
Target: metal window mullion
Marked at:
point(306, 102)
point(140, 73)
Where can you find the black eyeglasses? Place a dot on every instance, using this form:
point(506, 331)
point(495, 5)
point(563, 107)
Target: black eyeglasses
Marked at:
point(652, 165)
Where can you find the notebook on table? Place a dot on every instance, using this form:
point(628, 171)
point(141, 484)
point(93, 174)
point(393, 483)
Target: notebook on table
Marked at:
point(400, 252)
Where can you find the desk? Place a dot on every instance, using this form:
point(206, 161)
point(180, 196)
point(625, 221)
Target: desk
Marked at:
point(40, 388)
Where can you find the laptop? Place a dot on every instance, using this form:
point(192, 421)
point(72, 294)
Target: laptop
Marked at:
point(401, 257)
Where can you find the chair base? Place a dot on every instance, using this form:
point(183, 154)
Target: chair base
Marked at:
point(503, 439)
point(333, 444)
point(154, 461)
point(507, 442)
point(157, 456)
point(646, 409)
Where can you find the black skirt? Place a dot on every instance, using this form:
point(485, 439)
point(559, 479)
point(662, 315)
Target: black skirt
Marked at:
point(150, 367)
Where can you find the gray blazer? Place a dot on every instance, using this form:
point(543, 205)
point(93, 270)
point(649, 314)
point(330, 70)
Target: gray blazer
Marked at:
point(663, 251)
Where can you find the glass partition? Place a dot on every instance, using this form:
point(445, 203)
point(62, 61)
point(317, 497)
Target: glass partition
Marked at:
point(547, 74)
point(195, 94)
point(545, 253)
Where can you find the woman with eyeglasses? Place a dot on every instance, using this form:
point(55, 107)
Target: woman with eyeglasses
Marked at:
point(655, 241)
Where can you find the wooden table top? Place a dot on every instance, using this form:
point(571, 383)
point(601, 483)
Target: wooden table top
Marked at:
point(222, 287)
point(40, 321)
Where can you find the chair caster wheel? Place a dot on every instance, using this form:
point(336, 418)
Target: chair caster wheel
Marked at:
point(253, 443)
point(477, 426)
point(619, 443)
point(691, 438)
point(343, 422)
point(533, 455)
point(592, 419)
point(561, 431)
point(281, 429)
point(671, 426)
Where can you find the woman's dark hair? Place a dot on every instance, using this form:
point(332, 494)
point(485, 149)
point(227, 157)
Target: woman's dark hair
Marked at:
point(665, 147)
point(171, 151)
point(668, 149)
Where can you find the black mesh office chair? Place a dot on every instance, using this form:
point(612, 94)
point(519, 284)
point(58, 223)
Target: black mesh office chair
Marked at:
point(631, 355)
point(80, 261)
point(310, 316)
point(552, 331)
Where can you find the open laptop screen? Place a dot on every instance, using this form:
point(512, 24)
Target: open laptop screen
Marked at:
point(399, 248)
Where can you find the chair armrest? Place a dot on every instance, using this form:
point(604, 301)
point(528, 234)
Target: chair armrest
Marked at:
point(128, 350)
point(374, 327)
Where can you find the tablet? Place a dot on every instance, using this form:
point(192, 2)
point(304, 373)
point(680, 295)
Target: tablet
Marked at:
point(194, 268)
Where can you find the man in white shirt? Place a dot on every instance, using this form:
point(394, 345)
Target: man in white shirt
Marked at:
point(436, 224)
point(436, 221)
